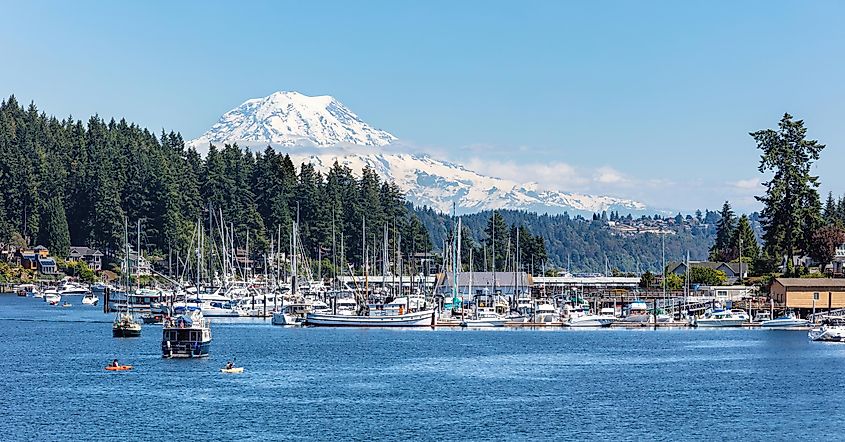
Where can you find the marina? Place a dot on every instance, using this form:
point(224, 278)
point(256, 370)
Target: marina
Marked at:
point(658, 375)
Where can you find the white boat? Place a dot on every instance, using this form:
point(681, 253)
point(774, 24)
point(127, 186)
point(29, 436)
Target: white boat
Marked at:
point(546, 313)
point(52, 297)
point(73, 289)
point(831, 329)
point(485, 319)
point(786, 322)
point(215, 306)
point(638, 313)
point(187, 335)
point(90, 299)
point(722, 318)
point(292, 313)
point(417, 319)
point(590, 321)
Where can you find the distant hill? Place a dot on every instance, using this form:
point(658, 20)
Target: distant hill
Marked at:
point(585, 242)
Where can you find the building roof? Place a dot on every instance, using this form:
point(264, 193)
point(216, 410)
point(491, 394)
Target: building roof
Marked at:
point(813, 283)
point(46, 261)
point(715, 265)
point(84, 251)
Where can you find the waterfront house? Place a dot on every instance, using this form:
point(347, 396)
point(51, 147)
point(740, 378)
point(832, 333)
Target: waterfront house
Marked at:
point(838, 264)
point(806, 293)
point(26, 259)
point(41, 251)
point(92, 257)
point(47, 265)
point(139, 264)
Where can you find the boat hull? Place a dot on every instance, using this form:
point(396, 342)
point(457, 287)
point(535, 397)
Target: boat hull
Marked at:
point(420, 319)
point(785, 324)
point(590, 321)
point(121, 332)
point(827, 334)
point(484, 322)
point(185, 350)
point(719, 323)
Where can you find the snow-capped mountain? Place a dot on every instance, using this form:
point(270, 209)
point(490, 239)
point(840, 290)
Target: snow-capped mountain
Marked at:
point(293, 119)
point(321, 130)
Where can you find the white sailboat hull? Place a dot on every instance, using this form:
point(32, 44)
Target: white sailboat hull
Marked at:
point(419, 319)
point(832, 334)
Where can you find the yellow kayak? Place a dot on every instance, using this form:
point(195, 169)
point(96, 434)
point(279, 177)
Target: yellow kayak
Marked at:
point(232, 370)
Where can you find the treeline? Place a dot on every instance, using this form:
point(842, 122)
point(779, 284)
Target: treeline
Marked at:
point(65, 181)
point(579, 244)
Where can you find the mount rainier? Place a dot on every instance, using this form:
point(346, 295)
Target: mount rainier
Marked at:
point(321, 130)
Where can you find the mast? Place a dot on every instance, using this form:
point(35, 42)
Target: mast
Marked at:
point(138, 259)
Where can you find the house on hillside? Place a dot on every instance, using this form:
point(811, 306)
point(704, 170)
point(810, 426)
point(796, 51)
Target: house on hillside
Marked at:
point(41, 251)
point(47, 265)
point(92, 257)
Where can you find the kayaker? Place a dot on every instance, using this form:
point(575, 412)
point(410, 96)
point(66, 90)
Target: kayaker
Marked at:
point(230, 365)
point(114, 363)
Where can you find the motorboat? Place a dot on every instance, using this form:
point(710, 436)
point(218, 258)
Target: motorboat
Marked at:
point(722, 318)
point(638, 313)
point(26, 290)
point(186, 335)
point(485, 318)
point(788, 321)
point(90, 299)
point(73, 289)
point(125, 326)
point(292, 313)
point(140, 301)
point(52, 297)
point(216, 306)
point(830, 329)
point(546, 314)
point(588, 320)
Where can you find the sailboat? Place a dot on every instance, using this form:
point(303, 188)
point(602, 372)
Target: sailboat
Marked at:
point(125, 325)
point(394, 314)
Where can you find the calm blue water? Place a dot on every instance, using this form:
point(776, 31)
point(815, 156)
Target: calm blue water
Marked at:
point(330, 384)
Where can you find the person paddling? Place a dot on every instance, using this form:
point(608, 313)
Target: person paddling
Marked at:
point(230, 365)
point(114, 363)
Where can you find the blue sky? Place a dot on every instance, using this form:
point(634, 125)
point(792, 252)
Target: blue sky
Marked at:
point(648, 100)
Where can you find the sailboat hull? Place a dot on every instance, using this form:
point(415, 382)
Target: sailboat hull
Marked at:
point(119, 332)
point(419, 319)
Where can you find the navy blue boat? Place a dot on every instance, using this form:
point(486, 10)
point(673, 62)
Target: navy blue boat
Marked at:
point(186, 334)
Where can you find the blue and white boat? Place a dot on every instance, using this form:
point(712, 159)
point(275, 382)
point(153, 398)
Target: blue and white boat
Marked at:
point(786, 322)
point(187, 334)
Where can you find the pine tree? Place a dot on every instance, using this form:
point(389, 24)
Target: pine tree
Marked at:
point(53, 231)
point(722, 249)
point(744, 235)
point(791, 194)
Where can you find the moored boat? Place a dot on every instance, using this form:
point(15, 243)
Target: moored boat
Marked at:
point(722, 318)
point(786, 322)
point(831, 329)
point(417, 319)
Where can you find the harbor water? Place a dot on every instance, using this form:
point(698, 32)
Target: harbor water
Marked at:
point(420, 384)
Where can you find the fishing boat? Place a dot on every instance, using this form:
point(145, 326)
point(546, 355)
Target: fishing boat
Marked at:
point(292, 313)
point(831, 329)
point(786, 322)
point(722, 318)
point(546, 314)
point(637, 313)
point(186, 335)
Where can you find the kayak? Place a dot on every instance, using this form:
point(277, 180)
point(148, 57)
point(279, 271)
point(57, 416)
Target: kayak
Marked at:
point(232, 370)
point(119, 368)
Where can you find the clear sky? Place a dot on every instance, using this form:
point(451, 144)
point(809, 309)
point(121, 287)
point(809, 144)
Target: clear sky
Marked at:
point(643, 99)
